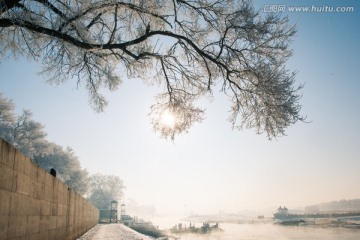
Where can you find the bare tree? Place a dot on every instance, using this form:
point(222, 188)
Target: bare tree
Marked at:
point(188, 47)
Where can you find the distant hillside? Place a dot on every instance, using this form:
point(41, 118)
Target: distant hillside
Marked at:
point(335, 206)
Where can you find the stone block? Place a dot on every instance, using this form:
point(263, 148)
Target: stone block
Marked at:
point(23, 184)
point(52, 234)
point(56, 194)
point(5, 202)
point(34, 207)
point(19, 204)
point(36, 189)
point(64, 210)
point(17, 238)
point(44, 235)
point(7, 154)
point(44, 223)
point(71, 220)
point(45, 208)
point(62, 234)
point(59, 209)
point(17, 226)
point(71, 203)
point(70, 235)
point(40, 191)
point(4, 225)
point(52, 222)
point(41, 175)
point(33, 236)
point(54, 209)
point(61, 222)
point(48, 192)
point(6, 177)
point(33, 225)
point(14, 181)
point(22, 163)
point(57, 234)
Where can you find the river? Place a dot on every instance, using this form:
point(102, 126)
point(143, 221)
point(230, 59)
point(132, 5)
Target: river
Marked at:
point(271, 231)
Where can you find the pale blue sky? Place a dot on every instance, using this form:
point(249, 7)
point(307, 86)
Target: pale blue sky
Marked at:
point(214, 168)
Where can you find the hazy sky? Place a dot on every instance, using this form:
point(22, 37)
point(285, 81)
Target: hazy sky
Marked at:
point(214, 168)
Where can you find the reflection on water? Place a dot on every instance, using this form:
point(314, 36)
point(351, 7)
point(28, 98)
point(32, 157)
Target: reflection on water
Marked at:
point(270, 231)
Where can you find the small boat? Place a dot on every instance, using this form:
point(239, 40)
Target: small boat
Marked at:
point(294, 222)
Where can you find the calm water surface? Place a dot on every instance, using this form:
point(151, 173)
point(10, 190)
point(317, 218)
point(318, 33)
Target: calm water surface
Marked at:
point(270, 231)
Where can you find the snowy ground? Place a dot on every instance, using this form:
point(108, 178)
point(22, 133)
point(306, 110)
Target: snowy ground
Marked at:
point(113, 232)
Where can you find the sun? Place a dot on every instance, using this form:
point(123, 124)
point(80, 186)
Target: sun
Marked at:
point(168, 119)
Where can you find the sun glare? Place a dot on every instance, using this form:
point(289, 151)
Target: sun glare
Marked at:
point(168, 119)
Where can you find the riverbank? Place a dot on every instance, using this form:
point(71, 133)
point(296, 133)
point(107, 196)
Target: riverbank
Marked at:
point(348, 222)
point(332, 223)
point(149, 230)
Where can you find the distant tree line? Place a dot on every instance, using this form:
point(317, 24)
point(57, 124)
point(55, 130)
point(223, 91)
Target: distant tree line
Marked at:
point(29, 137)
point(335, 206)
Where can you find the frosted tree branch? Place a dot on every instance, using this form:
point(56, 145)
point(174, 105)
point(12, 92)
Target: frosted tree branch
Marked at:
point(188, 46)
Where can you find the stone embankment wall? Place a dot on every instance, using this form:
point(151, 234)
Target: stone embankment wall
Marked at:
point(36, 205)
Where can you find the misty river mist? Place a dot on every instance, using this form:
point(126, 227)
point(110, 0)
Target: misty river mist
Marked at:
point(265, 231)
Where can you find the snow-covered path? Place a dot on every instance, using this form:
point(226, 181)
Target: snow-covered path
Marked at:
point(113, 232)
